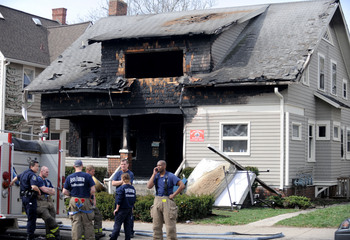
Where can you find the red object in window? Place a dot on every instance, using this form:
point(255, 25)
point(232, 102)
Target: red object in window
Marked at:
point(76, 200)
point(83, 200)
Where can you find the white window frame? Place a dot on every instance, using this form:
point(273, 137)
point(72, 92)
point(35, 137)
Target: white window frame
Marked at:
point(347, 144)
point(345, 89)
point(297, 124)
point(223, 138)
point(319, 73)
point(311, 150)
point(333, 78)
point(336, 130)
point(325, 124)
point(305, 77)
point(30, 96)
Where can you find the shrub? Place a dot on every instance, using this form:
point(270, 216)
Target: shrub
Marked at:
point(190, 207)
point(297, 201)
point(105, 203)
point(194, 207)
point(142, 208)
point(186, 172)
point(276, 201)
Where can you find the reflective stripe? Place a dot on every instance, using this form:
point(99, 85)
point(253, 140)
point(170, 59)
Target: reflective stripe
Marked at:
point(54, 230)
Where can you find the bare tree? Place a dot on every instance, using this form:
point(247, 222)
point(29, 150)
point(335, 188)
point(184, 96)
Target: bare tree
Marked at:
point(136, 7)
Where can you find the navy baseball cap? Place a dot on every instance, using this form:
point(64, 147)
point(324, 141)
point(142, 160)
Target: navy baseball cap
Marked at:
point(78, 163)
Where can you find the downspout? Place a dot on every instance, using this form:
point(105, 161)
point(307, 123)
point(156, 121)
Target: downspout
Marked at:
point(3, 93)
point(278, 94)
point(184, 128)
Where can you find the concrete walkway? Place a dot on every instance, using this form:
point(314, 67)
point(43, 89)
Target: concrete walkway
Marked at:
point(265, 226)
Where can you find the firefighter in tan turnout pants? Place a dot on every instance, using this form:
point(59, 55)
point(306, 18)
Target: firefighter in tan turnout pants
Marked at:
point(46, 209)
point(98, 218)
point(81, 188)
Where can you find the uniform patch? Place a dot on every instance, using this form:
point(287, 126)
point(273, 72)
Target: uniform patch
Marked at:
point(34, 178)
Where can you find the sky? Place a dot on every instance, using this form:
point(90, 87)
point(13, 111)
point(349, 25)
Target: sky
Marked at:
point(78, 9)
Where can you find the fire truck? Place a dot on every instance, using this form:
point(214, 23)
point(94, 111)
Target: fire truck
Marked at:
point(15, 155)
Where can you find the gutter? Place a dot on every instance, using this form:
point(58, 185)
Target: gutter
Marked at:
point(280, 96)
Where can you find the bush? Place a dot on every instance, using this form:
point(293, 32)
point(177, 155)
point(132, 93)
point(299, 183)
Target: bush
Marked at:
point(194, 207)
point(276, 201)
point(142, 208)
point(297, 201)
point(186, 172)
point(105, 203)
point(190, 207)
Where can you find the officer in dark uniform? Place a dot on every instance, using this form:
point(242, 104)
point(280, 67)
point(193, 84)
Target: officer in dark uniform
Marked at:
point(28, 192)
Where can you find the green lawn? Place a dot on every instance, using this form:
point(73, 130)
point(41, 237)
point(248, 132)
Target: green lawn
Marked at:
point(330, 216)
point(322, 218)
point(242, 216)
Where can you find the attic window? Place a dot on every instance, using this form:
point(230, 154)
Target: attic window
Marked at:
point(37, 21)
point(154, 64)
point(327, 36)
point(1, 16)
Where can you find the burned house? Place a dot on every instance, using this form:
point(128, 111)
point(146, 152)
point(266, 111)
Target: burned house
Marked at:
point(265, 84)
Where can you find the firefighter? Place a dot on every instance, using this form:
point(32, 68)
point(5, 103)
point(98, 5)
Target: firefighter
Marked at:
point(117, 181)
point(81, 188)
point(98, 216)
point(46, 208)
point(28, 193)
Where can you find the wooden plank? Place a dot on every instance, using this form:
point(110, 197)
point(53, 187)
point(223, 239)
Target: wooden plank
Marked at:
point(240, 167)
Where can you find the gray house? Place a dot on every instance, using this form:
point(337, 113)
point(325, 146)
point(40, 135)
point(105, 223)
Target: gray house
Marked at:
point(268, 85)
point(28, 44)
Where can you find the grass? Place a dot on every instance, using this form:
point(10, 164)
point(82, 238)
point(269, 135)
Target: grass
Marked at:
point(243, 216)
point(329, 217)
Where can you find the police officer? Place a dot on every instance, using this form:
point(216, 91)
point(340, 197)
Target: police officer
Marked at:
point(46, 208)
point(164, 208)
point(81, 188)
point(98, 216)
point(28, 192)
point(117, 181)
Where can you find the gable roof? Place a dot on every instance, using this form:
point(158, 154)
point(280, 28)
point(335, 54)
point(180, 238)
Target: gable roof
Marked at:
point(273, 48)
point(23, 40)
point(61, 37)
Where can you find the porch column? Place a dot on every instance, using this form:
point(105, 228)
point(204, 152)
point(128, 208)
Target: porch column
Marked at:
point(125, 152)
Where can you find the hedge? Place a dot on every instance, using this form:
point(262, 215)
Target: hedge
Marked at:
point(190, 206)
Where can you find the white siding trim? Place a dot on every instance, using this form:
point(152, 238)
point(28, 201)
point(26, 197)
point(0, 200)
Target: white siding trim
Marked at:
point(295, 110)
point(232, 109)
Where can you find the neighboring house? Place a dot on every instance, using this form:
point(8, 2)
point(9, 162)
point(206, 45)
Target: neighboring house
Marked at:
point(266, 84)
point(29, 44)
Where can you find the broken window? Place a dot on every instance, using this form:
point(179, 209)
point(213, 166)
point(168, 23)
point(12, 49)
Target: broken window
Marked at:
point(28, 76)
point(235, 138)
point(154, 64)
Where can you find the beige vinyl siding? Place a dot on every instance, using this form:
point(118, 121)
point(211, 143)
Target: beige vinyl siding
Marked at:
point(264, 138)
